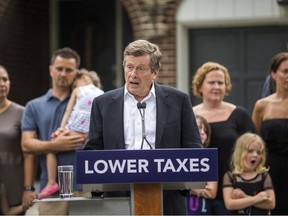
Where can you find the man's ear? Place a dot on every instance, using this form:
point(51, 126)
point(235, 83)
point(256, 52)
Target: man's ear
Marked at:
point(155, 74)
point(50, 70)
point(156, 71)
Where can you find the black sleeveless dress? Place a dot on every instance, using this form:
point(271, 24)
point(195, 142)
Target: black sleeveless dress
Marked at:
point(223, 137)
point(275, 134)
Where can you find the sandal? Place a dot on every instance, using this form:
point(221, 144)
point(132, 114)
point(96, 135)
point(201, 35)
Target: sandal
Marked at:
point(48, 191)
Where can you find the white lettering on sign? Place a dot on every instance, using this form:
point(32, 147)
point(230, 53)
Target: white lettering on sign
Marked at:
point(131, 166)
point(87, 171)
point(194, 165)
point(205, 166)
point(141, 165)
point(104, 164)
point(118, 166)
point(184, 165)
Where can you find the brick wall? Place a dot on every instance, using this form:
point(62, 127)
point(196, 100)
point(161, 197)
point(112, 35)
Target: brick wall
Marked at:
point(24, 41)
point(155, 21)
point(24, 47)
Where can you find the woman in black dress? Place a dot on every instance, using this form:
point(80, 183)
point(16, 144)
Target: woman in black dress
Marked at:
point(270, 116)
point(228, 121)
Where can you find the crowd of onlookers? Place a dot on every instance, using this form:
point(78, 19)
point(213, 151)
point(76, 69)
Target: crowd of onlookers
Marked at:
point(252, 150)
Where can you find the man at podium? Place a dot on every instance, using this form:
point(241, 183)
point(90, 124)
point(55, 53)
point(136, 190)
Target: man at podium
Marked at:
point(144, 115)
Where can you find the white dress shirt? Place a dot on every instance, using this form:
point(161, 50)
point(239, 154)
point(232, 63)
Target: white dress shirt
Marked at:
point(132, 121)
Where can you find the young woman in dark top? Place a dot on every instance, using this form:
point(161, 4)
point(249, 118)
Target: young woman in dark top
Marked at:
point(270, 116)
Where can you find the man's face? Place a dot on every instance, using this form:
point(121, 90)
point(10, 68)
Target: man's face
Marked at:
point(138, 75)
point(63, 72)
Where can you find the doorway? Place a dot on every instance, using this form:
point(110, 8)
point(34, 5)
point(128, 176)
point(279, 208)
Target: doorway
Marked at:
point(91, 27)
point(246, 52)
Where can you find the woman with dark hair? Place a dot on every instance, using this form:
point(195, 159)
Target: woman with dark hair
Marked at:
point(270, 116)
point(268, 86)
point(11, 156)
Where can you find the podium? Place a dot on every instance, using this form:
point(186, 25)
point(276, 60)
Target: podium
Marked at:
point(145, 173)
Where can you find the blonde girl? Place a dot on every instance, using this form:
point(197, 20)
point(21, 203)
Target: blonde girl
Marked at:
point(248, 188)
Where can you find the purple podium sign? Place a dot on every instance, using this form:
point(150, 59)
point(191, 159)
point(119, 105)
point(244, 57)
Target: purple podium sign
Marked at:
point(146, 166)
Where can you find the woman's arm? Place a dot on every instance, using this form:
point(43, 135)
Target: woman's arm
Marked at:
point(209, 192)
point(29, 176)
point(6, 209)
point(257, 115)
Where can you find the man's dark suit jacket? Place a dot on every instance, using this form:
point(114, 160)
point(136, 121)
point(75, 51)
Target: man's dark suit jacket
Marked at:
point(176, 127)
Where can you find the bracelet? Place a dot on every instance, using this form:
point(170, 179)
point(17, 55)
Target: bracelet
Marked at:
point(29, 188)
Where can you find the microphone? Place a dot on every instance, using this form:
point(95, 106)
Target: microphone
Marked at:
point(141, 107)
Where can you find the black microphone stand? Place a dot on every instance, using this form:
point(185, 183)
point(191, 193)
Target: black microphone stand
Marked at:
point(142, 106)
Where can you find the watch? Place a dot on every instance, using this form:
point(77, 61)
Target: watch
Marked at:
point(29, 188)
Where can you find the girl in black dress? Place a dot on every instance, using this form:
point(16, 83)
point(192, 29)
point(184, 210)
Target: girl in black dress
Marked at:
point(247, 188)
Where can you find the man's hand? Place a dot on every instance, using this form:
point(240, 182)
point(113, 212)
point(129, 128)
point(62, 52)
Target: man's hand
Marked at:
point(63, 140)
point(56, 133)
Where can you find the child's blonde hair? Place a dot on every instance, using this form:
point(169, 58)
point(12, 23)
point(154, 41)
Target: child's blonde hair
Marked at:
point(241, 149)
